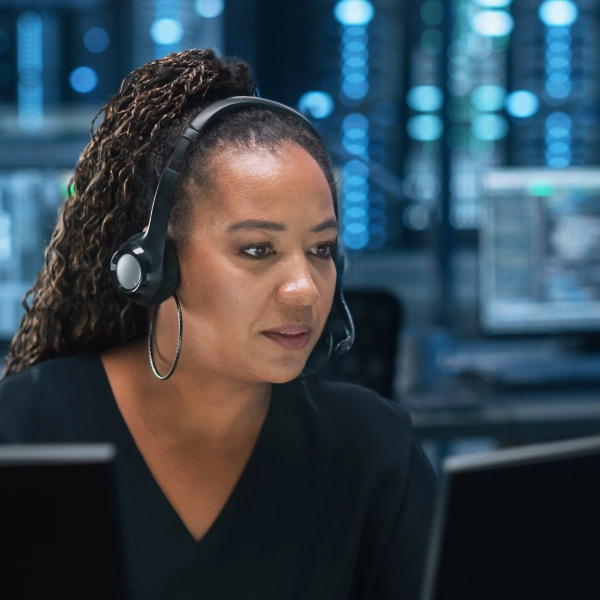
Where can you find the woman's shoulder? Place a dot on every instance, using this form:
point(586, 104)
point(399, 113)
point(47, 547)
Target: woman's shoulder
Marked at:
point(32, 400)
point(359, 417)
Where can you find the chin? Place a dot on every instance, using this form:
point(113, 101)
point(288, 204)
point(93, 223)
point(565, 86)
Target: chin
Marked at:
point(282, 373)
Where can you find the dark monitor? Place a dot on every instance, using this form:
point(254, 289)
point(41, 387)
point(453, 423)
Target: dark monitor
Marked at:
point(539, 253)
point(58, 523)
point(518, 523)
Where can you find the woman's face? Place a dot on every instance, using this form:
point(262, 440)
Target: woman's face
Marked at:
point(257, 277)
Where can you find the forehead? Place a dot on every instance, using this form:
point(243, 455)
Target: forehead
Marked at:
point(259, 184)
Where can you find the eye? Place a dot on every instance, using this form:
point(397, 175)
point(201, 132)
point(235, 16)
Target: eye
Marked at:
point(323, 250)
point(257, 251)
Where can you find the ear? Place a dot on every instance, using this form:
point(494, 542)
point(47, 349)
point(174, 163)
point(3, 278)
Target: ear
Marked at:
point(171, 276)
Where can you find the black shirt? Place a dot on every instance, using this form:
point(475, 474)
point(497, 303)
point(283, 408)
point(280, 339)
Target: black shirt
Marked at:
point(334, 503)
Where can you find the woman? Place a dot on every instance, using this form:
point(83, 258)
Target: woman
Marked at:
point(238, 477)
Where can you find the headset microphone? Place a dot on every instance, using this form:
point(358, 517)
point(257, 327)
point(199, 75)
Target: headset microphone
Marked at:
point(145, 268)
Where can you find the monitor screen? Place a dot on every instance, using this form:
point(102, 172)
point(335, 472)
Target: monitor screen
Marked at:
point(518, 523)
point(29, 202)
point(539, 255)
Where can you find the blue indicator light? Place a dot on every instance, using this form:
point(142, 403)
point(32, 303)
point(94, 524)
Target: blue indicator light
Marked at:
point(558, 162)
point(354, 62)
point(489, 127)
point(355, 91)
point(558, 48)
point(83, 79)
point(558, 89)
point(96, 40)
point(354, 181)
point(355, 213)
point(488, 98)
point(355, 168)
point(209, 9)
point(492, 23)
point(349, 221)
point(522, 104)
point(494, 3)
point(357, 197)
point(558, 13)
point(559, 148)
point(355, 237)
point(355, 121)
point(166, 31)
point(425, 98)
point(425, 128)
point(317, 105)
point(354, 12)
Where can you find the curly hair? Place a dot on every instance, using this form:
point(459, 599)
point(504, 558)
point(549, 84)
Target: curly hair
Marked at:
point(74, 307)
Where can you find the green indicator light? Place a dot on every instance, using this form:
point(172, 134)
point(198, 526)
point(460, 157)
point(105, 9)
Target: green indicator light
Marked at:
point(540, 187)
point(71, 190)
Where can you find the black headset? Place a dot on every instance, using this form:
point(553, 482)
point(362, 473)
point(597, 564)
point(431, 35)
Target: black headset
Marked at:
point(145, 268)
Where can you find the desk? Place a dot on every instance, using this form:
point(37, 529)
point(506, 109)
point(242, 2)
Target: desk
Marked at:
point(512, 418)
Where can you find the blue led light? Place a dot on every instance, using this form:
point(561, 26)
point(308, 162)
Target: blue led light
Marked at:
point(558, 48)
point(494, 3)
point(354, 62)
point(355, 181)
point(355, 213)
point(559, 148)
point(356, 148)
point(96, 40)
point(557, 63)
point(30, 87)
point(317, 105)
point(492, 23)
point(209, 9)
point(355, 34)
point(558, 13)
point(355, 216)
point(416, 217)
point(355, 47)
point(425, 128)
point(558, 162)
point(488, 98)
point(354, 78)
point(558, 90)
point(522, 104)
point(355, 134)
point(166, 31)
point(355, 168)
point(355, 121)
point(83, 79)
point(355, 199)
point(355, 236)
point(355, 90)
point(425, 98)
point(489, 127)
point(354, 12)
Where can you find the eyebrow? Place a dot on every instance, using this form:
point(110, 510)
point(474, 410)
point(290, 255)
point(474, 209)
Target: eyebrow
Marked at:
point(249, 224)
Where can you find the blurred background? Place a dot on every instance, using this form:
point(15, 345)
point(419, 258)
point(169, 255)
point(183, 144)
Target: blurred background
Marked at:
point(465, 135)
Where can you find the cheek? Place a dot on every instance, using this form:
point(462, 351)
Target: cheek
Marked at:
point(218, 298)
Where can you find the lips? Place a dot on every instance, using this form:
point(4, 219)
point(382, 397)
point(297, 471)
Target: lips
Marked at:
point(290, 337)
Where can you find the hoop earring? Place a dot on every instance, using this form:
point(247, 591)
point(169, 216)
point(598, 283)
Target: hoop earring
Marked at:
point(179, 340)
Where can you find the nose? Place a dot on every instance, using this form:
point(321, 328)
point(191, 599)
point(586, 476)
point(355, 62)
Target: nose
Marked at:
point(298, 286)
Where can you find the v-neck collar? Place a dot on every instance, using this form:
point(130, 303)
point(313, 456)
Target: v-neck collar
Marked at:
point(225, 519)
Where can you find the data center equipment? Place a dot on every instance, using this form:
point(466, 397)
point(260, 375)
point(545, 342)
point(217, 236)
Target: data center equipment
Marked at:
point(539, 254)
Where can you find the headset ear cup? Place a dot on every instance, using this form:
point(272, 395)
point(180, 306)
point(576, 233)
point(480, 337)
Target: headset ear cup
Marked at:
point(171, 276)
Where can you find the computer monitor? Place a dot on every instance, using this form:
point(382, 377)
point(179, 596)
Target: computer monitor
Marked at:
point(30, 199)
point(539, 252)
point(59, 533)
point(518, 523)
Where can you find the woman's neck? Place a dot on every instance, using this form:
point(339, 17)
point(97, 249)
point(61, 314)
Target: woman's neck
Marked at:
point(193, 412)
